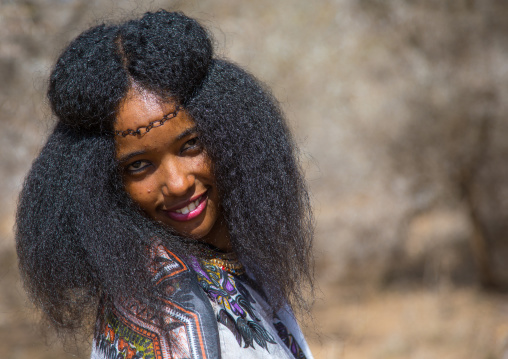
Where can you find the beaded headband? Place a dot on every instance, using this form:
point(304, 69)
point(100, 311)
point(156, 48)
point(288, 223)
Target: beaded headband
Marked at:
point(147, 128)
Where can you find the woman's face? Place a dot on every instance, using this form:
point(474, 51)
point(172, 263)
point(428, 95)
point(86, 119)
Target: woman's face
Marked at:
point(166, 170)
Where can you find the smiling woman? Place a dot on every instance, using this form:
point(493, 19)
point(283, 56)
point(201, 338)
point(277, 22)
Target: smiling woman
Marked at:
point(166, 170)
point(168, 203)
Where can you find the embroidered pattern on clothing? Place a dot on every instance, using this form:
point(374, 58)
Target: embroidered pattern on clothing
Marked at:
point(288, 339)
point(237, 312)
point(135, 331)
point(117, 340)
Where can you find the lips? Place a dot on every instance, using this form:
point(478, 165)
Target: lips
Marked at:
point(189, 210)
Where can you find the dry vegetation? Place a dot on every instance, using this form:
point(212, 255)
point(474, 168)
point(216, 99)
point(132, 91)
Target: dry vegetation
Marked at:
point(400, 108)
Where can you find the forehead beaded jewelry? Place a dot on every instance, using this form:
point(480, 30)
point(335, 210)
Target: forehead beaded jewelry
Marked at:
point(145, 129)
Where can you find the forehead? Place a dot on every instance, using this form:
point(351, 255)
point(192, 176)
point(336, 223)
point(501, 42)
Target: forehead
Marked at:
point(139, 109)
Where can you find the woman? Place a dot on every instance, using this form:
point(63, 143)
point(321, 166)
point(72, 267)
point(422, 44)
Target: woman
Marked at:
point(168, 201)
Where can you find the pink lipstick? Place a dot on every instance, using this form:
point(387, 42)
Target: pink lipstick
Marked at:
point(189, 210)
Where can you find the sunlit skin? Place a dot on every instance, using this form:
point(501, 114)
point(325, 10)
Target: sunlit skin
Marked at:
point(167, 172)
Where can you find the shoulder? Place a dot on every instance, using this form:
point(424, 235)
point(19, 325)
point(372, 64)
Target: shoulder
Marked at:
point(176, 322)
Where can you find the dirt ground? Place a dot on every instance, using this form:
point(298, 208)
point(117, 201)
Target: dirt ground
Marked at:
point(446, 323)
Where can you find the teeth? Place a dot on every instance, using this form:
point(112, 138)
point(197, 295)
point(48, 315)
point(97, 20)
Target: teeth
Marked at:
point(189, 208)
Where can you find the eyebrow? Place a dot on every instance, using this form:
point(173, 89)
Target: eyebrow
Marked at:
point(128, 156)
point(186, 133)
point(181, 136)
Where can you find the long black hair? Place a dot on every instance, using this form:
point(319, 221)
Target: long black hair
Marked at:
point(80, 236)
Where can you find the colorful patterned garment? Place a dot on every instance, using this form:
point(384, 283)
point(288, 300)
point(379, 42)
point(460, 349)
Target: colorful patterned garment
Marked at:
point(206, 313)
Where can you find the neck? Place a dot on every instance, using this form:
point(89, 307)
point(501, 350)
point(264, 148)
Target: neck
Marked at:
point(219, 236)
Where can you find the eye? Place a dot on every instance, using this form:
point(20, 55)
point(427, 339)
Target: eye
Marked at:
point(192, 144)
point(137, 166)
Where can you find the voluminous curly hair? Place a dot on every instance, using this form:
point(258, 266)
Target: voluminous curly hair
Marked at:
point(80, 236)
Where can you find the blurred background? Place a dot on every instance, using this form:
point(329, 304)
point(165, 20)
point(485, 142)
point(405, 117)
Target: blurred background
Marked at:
point(400, 111)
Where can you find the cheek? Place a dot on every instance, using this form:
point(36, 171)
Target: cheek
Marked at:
point(203, 166)
point(141, 193)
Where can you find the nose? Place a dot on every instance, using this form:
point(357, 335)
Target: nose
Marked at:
point(177, 179)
